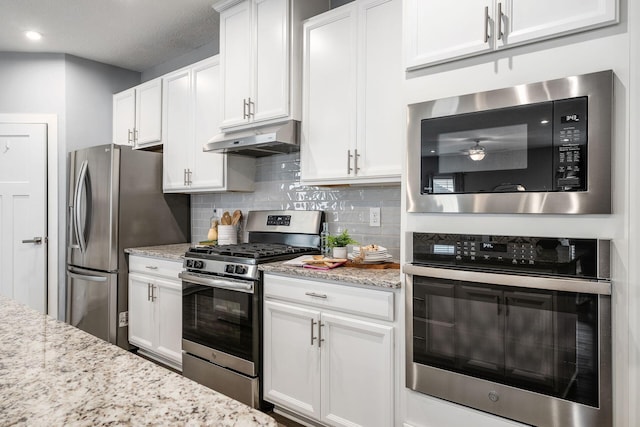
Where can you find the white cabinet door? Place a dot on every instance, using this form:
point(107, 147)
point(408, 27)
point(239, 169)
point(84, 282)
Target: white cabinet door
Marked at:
point(235, 53)
point(178, 130)
point(292, 357)
point(141, 329)
point(208, 168)
point(329, 95)
point(270, 91)
point(168, 309)
point(149, 113)
point(528, 20)
point(380, 132)
point(124, 117)
point(357, 372)
point(438, 31)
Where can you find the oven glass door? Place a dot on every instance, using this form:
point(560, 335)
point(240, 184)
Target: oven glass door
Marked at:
point(529, 148)
point(221, 319)
point(538, 340)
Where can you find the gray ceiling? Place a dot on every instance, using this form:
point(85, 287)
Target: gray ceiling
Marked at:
point(133, 34)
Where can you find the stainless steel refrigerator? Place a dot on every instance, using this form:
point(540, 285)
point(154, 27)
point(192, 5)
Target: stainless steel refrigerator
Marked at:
point(115, 202)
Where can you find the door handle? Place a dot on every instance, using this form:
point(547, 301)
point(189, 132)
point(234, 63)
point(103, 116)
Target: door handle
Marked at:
point(87, 278)
point(36, 240)
point(78, 196)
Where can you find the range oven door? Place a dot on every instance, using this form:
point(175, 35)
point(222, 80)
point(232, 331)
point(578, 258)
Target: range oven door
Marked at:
point(220, 321)
point(530, 348)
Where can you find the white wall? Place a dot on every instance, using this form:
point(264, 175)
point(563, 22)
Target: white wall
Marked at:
point(79, 93)
point(578, 54)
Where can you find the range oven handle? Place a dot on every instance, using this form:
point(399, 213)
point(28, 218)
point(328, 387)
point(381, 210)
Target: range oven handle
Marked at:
point(597, 287)
point(232, 285)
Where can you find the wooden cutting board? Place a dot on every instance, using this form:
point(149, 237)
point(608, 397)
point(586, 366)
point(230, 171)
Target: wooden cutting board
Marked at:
point(386, 265)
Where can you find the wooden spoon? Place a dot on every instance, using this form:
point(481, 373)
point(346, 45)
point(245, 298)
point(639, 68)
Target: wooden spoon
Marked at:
point(237, 215)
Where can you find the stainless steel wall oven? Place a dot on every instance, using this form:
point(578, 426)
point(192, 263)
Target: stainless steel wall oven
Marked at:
point(535, 148)
point(516, 326)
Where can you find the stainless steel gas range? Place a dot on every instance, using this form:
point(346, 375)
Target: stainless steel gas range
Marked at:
point(222, 301)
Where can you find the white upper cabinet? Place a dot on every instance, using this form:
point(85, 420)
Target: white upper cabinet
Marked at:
point(191, 117)
point(260, 59)
point(437, 32)
point(352, 128)
point(137, 115)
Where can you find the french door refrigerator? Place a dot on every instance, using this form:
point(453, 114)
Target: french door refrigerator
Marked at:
point(115, 202)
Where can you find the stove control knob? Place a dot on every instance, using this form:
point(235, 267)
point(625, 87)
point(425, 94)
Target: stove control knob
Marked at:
point(229, 268)
point(198, 264)
point(241, 269)
point(189, 263)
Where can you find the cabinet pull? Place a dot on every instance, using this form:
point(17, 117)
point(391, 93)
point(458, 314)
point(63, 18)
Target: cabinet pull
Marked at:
point(313, 294)
point(355, 162)
point(245, 106)
point(486, 24)
point(313, 323)
point(500, 17)
point(148, 291)
point(320, 339)
point(129, 136)
point(189, 174)
point(135, 135)
point(153, 293)
point(349, 156)
point(252, 108)
point(151, 267)
point(184, 177)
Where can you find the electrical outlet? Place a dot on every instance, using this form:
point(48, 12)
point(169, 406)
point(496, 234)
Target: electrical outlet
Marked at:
point(374, 217)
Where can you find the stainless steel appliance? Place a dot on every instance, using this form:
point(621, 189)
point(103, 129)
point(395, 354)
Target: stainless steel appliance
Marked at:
point(259, 141)
point(534, 148)
point(115, 202)
point(222, 301)
point(516, 326)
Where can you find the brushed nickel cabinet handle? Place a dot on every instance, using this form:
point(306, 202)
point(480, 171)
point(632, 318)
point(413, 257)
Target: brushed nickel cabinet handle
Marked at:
point(486, 24)
point(135, 135)
point(245, 106)
point(320, 339)
point(313, 323)
point(313, 294)
point(349, 156)
point(500, 17)
point(129, 136)
point(36, 240)
point(151, 267)
point(355, 162)
point(252, 108)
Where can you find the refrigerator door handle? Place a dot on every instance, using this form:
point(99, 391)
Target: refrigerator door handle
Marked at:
point(79, 231)
point(87, 278)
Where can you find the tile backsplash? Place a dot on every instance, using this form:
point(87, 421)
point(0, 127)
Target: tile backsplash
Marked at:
point(277, 186)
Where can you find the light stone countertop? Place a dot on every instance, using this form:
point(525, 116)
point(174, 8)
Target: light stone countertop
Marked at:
point(173, 252)
point(381, 278)
point(53, 374)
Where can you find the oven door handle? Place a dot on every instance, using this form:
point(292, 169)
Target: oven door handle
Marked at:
point(231, 285)
point(597, 287)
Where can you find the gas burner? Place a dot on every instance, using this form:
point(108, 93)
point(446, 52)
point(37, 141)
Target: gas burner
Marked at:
point(256, 251)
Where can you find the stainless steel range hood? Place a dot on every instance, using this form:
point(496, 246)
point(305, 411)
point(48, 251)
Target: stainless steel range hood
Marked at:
point(258, 142)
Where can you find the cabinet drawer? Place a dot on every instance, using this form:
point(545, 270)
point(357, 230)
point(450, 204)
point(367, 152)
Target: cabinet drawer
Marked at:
point(154, 266)
point(348, 299)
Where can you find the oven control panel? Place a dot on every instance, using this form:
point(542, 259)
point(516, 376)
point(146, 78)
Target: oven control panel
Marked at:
point(575, 257)
point(222, 268)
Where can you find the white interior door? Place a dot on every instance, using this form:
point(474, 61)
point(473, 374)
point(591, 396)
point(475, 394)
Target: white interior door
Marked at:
point(23, 213)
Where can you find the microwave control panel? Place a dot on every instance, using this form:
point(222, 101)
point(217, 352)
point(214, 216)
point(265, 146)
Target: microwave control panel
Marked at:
point(570, 144)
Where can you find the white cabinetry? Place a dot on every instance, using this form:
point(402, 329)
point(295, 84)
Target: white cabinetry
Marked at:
point(260, 57)
point(191, 113)
point(437, 32)
point(155, 309)
point(137, 115)
point(352, 129)
point(328, 351)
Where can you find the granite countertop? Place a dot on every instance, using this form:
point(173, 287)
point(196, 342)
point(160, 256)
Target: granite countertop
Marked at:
point(173, 252)
point(381, 278)
point(54, 374)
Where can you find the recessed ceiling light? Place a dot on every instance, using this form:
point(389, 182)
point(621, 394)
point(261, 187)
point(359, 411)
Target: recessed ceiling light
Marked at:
point(33, 35)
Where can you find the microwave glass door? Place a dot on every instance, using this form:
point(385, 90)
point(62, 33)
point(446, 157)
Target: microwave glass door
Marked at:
point(517, 149)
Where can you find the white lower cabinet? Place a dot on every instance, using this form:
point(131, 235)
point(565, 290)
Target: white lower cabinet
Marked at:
point(155, 309)
point(324, 362)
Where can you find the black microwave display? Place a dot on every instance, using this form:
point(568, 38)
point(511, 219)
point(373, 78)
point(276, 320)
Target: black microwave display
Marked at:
point(540, 147)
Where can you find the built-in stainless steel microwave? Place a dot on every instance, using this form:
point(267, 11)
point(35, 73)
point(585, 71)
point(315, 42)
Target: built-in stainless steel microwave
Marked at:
point(535, 148)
